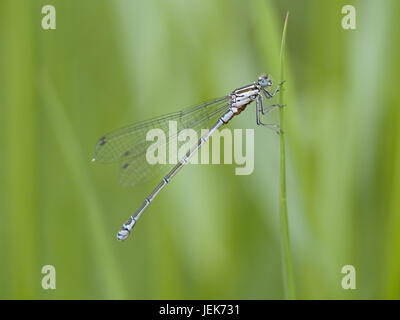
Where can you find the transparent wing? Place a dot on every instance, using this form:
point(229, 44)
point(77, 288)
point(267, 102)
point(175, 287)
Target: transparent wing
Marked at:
point(128, 145)
point(136, 169)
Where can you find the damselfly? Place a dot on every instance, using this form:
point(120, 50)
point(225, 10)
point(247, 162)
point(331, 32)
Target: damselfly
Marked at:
point(128, 145)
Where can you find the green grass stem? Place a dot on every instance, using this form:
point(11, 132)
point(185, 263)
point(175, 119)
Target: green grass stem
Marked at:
point(287, 265)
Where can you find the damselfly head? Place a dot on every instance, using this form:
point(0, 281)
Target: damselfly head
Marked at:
point(265, 81)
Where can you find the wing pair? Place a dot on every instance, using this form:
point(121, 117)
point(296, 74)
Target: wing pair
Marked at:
point(128, 145)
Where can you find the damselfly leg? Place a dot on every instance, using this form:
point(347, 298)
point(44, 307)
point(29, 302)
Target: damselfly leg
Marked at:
point(269, 95)
point(261, 110)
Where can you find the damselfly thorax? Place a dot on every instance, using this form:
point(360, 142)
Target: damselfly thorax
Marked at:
point(242, 97)
point(128, 145)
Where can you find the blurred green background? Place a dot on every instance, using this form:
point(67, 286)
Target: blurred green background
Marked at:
point(210, 234)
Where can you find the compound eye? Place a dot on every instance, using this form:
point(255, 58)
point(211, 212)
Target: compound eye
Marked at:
point(265, 82)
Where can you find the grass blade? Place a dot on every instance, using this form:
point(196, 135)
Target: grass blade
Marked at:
point(287, 264)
